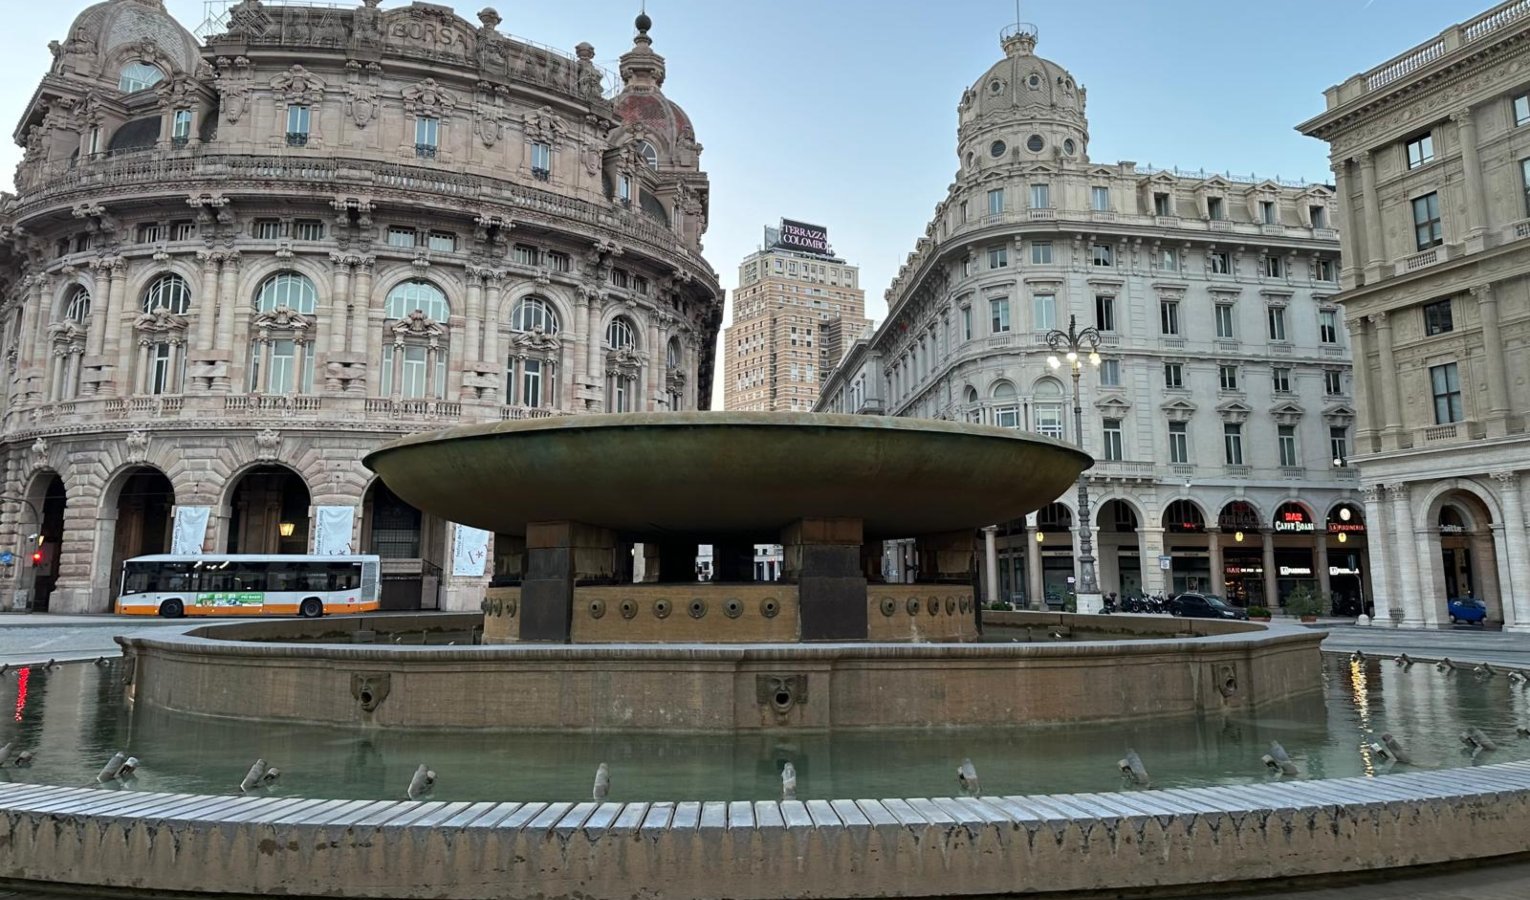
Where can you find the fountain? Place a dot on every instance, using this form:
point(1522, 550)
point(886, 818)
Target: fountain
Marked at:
point(579, 653)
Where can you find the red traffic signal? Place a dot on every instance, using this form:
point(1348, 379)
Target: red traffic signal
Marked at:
point(37, 557)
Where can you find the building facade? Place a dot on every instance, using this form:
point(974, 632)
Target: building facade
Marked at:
point(1221, 414)
point(232, 268)
point(794, 306)
point(1431, 152)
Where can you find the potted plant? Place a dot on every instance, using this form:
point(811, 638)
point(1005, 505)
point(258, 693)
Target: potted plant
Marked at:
point(1259, 613)
point(1304, 603)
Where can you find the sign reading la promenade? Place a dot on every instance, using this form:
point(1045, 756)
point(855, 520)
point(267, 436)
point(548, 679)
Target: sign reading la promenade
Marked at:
point(804, 237)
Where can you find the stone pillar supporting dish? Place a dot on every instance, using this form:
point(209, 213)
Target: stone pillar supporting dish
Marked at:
point(991, 564)
point(945, 558)
point(560, 555)
point(822, 557)
point(1036, 584)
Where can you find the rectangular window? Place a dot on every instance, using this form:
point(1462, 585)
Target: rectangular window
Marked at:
point(1168, 260)
point(1426, 221)
point(1214, 208)
point(151, 233)
point(996, 202)
point(427, 136)
point(1103, 255)
point(1446, 383)
point(1319, 216)
point(1333, 383)
point(268, 229)
point(619, 278)
point(640, 286)
point(1267, 212)
point(531, 383)
point(965, 217)
point(998, 257)
point(1110, 373)
point(559, 262)
point(1524, 180)
point(1221, 263)
point(1099, 199)
point(308, 230)
point(283, 356)
point(1420, 151)
point(1228, 377)
point(1162, 205)
point(161, 378)
point(413, 373)
point(967, 265)
point(1521, 110)
point(1280, 380)
point(183, 231)
point(1041, 253)
point(1113, 440)
point(1437, 317)
point(966, 323)
point(999, 309)
point(1326, 270)
point(180, 127)
point(1173, 375)
point(1287, 441)
point(527, 256)
point(401, 237)
point(1007, 417)
point(1041, 196)
point(1179, 444)
point(624, 189)
point(95, 141)
point(1338, 444)
point(1232, 444)
point(1274, 267)
point(1105, 313)
point(1328, 326)
point(1276, 316)
point(1044, 312)
point(297, 125)
point(1168, 317)
point(444, 241)
point(1224, 317)
point(1049, 420)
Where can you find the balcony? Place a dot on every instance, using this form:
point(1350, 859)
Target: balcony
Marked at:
point(1235, 471)
point(425, 151)
point(1421, 260)
point(541, 174)
point(1122, 470)
point(515, 413)
point(297, 138)
point(1293, 473)
point(1516, 231)
point(282, 403)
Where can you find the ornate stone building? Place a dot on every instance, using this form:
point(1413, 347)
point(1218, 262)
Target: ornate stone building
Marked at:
point(231, 269)
point(1220, 416)
point(1431, 151)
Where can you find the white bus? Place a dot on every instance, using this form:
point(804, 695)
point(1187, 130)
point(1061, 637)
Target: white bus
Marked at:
point(248, 585)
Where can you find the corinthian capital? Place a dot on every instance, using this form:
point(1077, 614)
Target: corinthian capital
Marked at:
point(1398, 492)
point(1506, 479)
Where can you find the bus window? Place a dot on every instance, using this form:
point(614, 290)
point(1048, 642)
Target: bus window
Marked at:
point(344, 576)
point(253, 576)
point(315, 577)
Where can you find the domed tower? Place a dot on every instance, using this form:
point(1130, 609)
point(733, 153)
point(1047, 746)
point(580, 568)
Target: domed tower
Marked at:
point(1024, 109)
point(655, 165)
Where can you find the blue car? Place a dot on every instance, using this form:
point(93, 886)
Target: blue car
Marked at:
point(1466, 609)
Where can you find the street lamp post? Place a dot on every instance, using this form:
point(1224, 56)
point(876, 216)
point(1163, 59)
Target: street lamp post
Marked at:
point(1072, 348)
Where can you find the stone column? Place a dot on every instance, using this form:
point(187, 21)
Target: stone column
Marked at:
point(593, 339)
point(1517, 551)
point(1378, 555)
point(581, 333)
point(339, 307)
point(111, 342)
point(822, 557)
point(1497, 420)
point(42, 297)
point(991, 564)
point(361, 311)
point(652, 373)
point(473, 326)
point(1375, 244)
point(1365, 407)
point(560, 556)
point(1349, 231)
point(1320, 562)
point(1391, 432)
point(1036, 592)
point(100, 310)
point(1405, 567)
point(207, 301)
point(1150, 546)
point(1430, 578)
point(1471, 166)
point(493, 352)
point(1218, 583)
point(229, 308)
point(1271, 586)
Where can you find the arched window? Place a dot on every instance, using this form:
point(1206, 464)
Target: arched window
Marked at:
point(287, 289)
point(675, 375)
point(970, 399)
point(169, 293)
point(139, 76)
point(414, 352)
point(77, 307)
point(619, 335)
point(672, 353)
point(649, 154)
point(1049, 408)
point(534, 314)
point(1006, 409)
point(417, 295)
point(623, 367)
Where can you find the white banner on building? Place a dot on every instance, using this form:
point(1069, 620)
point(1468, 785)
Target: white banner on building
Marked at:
point(190, 530)
point(332, 531)
point(470, 551)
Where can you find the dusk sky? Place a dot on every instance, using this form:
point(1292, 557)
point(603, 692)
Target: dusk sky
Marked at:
point(843, 112)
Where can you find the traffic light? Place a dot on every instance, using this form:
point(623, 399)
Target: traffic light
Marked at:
point(37, 557)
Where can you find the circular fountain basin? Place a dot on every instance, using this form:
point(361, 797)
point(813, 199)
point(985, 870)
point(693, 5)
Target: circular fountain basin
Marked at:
point(724, 473)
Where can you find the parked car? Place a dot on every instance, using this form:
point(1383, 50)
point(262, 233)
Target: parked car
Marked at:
point(1204, 606)
point(1466, 609)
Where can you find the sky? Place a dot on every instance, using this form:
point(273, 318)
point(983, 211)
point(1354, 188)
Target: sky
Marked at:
point(843, 112)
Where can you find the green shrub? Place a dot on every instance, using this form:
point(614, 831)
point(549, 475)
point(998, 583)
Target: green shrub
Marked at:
point(1303, 602)
point(1258, 611)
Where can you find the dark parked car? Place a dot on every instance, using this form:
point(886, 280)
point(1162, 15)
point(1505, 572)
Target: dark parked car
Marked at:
point(1466, 609)
point(1204, 606)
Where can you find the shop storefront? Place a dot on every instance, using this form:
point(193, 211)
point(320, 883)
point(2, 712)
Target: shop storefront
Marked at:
point(1184, 540)
point(1347, 578)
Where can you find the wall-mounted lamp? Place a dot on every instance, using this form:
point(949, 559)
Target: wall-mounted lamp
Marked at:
point(286, 529)
point(1041, 537)
point(1238, 536)
point(1343, 538)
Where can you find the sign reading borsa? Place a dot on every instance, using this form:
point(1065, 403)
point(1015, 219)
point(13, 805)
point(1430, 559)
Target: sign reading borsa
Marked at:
point(804, 237)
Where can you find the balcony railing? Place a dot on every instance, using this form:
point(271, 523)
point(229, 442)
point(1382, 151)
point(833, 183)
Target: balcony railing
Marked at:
point(1422, 260)
point(509, 413)
point(1440, 432)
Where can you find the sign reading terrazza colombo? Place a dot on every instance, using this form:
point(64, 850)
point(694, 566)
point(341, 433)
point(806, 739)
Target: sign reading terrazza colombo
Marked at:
point(804, 237)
